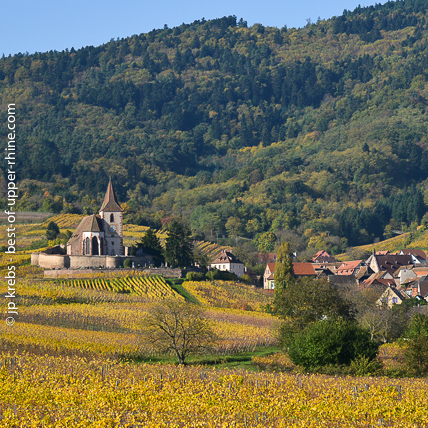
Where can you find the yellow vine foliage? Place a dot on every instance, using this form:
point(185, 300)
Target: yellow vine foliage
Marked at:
point(43, 391)
point(227, 294)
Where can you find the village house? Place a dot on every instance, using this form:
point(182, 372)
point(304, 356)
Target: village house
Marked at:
point(268, 277)
point(379, 280)
point(226, 261)
point(420, 287)
point(323, 257)
point(350, 268)
point(299, 269)
point(389, 262)
point(391, 296)
point(418, 256)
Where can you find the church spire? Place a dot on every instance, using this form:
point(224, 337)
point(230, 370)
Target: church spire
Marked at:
point(110, 202)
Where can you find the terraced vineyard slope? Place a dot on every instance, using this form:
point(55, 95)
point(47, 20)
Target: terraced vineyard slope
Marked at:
point(151, 287)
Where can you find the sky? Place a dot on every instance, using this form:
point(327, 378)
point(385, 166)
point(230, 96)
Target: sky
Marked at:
point(43, 25)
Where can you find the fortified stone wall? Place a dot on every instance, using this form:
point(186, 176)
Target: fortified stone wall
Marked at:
point(55, 261)
point(81, 262)
point(35, 259)
point(52, 261)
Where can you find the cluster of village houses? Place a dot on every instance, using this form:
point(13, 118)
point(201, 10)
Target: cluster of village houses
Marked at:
point(397, 276)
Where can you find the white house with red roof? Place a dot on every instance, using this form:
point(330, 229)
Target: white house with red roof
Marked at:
point(300, 269)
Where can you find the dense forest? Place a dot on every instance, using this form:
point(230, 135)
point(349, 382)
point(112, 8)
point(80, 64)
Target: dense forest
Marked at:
point(318, 133)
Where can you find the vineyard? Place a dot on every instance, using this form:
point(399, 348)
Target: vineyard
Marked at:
point(87, 317)
point(209, 249)
point(48, 391)
point(150, 287)
point(64, 221)
point(224, 294)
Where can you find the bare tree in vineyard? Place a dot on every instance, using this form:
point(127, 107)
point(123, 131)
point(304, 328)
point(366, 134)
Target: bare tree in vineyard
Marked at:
point(181, 328)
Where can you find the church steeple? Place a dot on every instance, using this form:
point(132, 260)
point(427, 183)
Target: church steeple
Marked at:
point(110, 201)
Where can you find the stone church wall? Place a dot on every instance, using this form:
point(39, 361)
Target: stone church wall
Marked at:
point(53, 261)
point(81, 262)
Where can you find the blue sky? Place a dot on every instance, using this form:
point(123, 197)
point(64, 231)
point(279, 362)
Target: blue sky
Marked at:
point(43, 25)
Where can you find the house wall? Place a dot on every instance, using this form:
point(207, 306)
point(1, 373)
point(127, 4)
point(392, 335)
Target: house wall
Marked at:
point(268, 284)
point(236, 268)
point(389, 298)
point(406, 274)
point(225, 267)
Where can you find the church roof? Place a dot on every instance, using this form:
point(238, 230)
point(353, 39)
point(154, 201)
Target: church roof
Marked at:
point(110, 201)
point(91, 223)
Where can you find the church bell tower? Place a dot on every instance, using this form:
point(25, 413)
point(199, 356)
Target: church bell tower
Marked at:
point(112, 215)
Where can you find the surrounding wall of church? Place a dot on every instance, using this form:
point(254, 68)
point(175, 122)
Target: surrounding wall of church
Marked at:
point(50, 261)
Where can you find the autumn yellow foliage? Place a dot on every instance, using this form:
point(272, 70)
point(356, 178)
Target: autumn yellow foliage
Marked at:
point(62, 392)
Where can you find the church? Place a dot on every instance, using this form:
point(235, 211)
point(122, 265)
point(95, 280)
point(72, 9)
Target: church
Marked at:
point(96, 243)
point(102, 234)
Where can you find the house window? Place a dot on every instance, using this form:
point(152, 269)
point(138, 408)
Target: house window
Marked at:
point(111, 218)
point(394, 300)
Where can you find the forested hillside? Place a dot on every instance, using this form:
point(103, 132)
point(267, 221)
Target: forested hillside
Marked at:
point(254, 132)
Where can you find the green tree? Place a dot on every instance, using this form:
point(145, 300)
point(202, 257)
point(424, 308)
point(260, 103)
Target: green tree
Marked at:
point(201, 259)
point(330, 342)
point(266, 242)
point(178, 246)
point(150, 244)
point(283, 276)
point(416, 351)
point(307, 301)
point(52, 231)
point(178, 327)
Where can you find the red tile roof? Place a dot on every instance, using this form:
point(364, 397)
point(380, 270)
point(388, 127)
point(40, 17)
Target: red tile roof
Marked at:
point(304, 269)
point(300, 269)
point(348, 268)
point(417, 253)
point(420, 271)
